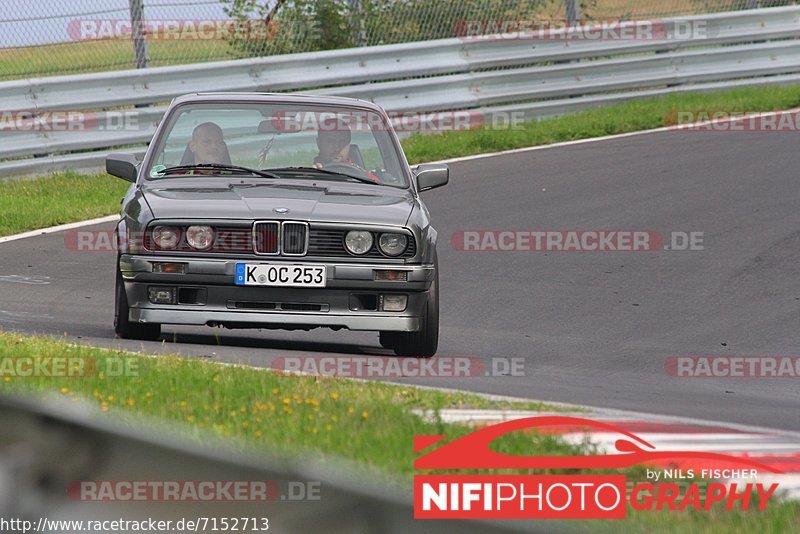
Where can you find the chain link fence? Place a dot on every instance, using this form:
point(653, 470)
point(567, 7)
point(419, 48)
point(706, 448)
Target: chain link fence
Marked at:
point(43, 38)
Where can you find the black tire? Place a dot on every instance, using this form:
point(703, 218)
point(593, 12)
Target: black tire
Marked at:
point(122, 326)
point(425, 342)
point(388, 340)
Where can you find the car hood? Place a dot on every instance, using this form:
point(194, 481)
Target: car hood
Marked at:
point(318, 202)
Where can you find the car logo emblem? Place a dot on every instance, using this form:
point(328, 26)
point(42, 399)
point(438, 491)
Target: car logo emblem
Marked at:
point(281, 210)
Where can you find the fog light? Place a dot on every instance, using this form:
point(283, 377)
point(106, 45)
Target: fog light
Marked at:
point(395, 276)
point(394, 303)
point(363, 302)
point(175, 268)
point(162, 295)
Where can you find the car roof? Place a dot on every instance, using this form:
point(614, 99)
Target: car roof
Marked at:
point(285, 98)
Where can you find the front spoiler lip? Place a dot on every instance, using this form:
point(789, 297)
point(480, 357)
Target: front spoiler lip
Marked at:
point(204, 317)
point(131, 266)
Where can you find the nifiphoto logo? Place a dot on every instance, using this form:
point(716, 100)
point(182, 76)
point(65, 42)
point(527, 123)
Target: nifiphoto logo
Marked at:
point(574, 496)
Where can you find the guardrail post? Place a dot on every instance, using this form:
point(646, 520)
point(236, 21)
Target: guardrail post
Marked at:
point(139, 34)
point(357, 22)
point(573, 8)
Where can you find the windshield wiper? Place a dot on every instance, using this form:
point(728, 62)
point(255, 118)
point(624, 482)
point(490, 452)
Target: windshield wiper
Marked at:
point(218, 167)
point(363, 179)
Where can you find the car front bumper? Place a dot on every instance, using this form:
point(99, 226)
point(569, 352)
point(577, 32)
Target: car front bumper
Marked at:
point(217, 301)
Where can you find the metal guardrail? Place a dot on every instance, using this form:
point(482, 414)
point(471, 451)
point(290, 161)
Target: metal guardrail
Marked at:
point(538, 77)
point(48, 447)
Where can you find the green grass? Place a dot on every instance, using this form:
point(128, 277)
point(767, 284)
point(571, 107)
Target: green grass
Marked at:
point(57, 199)
point(609, 120)
point(71, 197)
point(368, 423)
point(104, 55)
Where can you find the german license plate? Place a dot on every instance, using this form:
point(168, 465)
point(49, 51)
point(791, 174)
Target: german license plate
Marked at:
point(264, 274)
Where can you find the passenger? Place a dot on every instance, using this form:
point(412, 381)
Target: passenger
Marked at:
point(208, 145)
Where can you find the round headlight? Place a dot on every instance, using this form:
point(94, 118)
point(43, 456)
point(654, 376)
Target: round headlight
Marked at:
point(358, 242)
point(393, 244)
point(200, 237)
point(166, 237)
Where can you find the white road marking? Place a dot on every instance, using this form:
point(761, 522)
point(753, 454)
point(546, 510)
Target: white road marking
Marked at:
point(60, 228)
point(724, 443)
point(16, 317)
point(562, 144)
point(30, 280)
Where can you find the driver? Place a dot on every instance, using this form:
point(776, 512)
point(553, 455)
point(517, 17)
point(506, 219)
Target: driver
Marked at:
point(334, 147)
point(208, 145)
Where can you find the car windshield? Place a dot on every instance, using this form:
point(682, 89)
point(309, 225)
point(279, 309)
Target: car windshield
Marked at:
point(292, 141)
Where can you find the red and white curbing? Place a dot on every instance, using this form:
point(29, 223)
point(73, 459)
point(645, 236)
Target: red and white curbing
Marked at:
point(772, 447)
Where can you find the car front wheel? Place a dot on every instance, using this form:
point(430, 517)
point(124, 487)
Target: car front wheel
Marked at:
point(122, 326)
point(424, 342)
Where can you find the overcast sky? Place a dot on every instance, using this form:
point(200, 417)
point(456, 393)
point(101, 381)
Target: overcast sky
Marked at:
point(27, 22)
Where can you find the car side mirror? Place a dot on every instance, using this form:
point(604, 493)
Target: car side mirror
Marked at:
point(431, 175)
point(122, 166)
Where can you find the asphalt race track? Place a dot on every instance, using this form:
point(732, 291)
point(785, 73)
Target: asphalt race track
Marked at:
point(593, 328)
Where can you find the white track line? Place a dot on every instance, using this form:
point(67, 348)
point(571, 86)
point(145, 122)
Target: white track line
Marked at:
point(556, 145)
point(732, 443)
point(677, 128)
point(60, 228)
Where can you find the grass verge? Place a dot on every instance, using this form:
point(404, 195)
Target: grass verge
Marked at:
point(68, 197)
point(102, 55)
point(628, 117)
point(369, 423)
point(57, 199)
